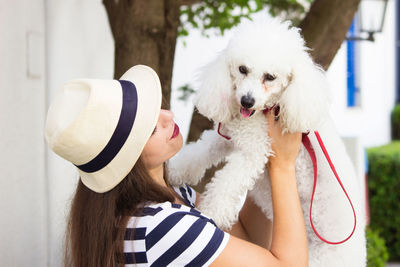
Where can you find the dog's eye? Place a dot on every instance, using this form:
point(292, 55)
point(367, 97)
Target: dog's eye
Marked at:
point(269, 77)
point(243, 69)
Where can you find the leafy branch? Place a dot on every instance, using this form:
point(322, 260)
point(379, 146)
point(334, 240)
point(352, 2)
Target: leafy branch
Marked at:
point(223, 15)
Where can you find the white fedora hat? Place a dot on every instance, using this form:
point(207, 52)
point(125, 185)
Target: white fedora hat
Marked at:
point(101, 126)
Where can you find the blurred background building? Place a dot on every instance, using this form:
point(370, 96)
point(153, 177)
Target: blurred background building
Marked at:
point(45, 43)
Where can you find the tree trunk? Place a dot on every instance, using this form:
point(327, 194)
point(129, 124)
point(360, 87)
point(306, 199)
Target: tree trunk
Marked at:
point(198, 125)
point(325, 26)
point(324, 29)
point(145, 32)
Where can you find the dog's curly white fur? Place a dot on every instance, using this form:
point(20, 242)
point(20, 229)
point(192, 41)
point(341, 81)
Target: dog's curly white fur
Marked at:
point(268, 63)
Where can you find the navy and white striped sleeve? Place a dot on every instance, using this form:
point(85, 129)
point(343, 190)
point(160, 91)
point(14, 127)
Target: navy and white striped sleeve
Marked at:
point(184, 238)
point(187, 193)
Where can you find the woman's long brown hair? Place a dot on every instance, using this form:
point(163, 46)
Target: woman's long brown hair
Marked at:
point(97, 221)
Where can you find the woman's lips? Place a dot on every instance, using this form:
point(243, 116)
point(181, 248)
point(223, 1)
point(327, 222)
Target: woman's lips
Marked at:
point(176, 132)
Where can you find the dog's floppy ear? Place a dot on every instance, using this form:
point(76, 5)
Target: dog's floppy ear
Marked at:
point(305, 102)
point(213, 97)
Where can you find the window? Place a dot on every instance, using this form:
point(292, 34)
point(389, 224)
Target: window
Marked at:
point(353, 90)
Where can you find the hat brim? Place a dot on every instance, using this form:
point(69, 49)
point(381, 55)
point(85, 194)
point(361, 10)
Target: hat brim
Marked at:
point(149, 94)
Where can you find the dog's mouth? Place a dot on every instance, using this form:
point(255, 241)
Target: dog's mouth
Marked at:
point(246, 113)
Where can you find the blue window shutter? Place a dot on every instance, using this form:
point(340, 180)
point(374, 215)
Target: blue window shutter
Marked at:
point(352, 89)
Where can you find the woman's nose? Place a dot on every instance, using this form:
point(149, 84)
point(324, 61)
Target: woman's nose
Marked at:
point(166, 116)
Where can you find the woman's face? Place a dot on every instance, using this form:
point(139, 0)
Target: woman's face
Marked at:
point(165, 141)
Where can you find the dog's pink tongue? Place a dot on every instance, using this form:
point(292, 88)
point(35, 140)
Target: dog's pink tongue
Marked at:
point(245, 112)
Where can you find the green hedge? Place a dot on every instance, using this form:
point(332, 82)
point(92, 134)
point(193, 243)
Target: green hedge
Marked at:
point(384, 194)
point(396, 122)
point(377, 254)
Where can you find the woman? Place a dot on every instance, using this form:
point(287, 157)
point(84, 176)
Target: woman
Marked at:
point(125, 212)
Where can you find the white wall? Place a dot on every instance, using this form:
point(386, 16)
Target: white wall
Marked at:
point(371, 120)
point(79, 45)
point(23, 190)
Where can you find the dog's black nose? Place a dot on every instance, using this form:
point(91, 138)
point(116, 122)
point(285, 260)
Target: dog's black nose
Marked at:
point(247, 101)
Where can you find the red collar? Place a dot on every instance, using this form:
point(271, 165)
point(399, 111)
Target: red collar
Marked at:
point(219, 132)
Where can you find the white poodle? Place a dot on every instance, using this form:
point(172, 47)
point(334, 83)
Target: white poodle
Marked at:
point(266, 64)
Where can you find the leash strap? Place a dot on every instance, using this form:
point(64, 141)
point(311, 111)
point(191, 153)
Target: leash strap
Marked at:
point(311, 152)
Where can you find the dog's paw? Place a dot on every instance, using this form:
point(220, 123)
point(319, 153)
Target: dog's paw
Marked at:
point(176, 172)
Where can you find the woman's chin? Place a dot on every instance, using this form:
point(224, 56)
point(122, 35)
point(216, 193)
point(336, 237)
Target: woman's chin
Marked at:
point(178, 144)
point(179, 140)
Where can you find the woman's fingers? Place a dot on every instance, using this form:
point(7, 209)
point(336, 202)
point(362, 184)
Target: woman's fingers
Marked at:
point(271, 118)
point(285, 146)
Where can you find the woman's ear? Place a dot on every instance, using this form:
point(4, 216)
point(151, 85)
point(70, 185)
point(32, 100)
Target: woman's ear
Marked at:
point(304, 104)
point(214, 94)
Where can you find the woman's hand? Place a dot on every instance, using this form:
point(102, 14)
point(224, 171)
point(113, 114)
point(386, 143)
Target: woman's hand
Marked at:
point(286, 146)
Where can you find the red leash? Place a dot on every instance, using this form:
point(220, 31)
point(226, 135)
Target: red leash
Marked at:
point(311, 152)
point(307, 144)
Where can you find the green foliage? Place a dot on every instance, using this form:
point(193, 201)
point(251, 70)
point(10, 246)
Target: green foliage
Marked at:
point(223, 15)
point(396, 122)
point(384, 194)
point(377, 253)
point(186, 91)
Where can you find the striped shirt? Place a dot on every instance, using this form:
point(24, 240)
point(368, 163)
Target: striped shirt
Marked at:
point(169, 234)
